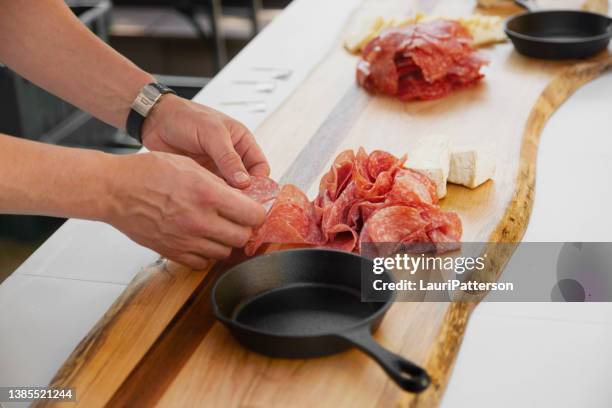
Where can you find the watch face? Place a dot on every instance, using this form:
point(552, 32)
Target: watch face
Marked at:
point(146, 99)
point(151, 92)
point(148, 96)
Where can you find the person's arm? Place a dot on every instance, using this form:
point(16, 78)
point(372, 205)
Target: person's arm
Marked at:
point(166, 202)
point(47, 44)
point(40, 179)
point(44, 42)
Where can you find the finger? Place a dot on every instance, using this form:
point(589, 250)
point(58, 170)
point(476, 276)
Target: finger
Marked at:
point(261, 169)
point(240, 209)
point(210, 249)
point(229, 162)
point(227, 233)
point(172, 266)
point(193, 261)
point(252, 156)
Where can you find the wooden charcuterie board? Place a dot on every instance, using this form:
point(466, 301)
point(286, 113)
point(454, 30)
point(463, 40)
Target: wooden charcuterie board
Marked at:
point(159, 344)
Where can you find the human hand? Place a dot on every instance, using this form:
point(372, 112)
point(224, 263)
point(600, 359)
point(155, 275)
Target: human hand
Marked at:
point(172, 205)
point(213, 139)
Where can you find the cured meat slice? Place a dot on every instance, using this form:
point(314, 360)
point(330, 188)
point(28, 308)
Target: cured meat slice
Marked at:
point(427, 60)
point(393, 224)
point(374, 177)
point(410, 187)
point(345, 238)
point(376, 71)
point(380, 161)
point(292, 219)
point(362, 198)
point(336, 212)
point(444, 230)
point(334, 220)
point(419, 224)
point(262, 189)
point(361, 210)
point(334, 181)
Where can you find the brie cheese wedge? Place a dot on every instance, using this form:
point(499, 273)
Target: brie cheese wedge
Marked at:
point(431, 157)
point(471, 167)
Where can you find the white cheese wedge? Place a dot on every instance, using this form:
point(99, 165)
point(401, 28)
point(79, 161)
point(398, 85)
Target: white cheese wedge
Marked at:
point(471, 167)
point(431, 157)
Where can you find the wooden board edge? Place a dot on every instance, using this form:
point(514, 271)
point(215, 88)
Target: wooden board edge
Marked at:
point(91, 347)
point(92, 341)
point(171, 350)
point(441, 360)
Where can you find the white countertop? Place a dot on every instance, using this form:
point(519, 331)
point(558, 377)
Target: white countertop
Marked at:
point(519, 354)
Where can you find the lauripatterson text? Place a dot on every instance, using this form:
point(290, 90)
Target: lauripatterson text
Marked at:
point(449, 285)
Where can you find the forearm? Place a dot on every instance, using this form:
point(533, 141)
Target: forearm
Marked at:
point(41, 179)
point(44, 42)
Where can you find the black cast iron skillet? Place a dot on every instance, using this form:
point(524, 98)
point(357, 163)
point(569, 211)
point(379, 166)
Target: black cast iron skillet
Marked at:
point(307, 303)
point(558, 34)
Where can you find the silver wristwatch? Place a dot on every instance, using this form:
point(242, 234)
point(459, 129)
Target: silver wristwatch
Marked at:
point(145, 101)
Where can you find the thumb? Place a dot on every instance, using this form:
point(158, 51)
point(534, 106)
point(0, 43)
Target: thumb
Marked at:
point(230, 163)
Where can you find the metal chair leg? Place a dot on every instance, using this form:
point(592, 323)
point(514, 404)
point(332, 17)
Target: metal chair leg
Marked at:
point(213, 8)
point(256, 6)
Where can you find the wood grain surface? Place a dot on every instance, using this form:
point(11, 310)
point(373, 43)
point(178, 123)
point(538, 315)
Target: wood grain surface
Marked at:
point(159, 345)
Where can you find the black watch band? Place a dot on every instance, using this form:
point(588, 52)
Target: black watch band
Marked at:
point(148, 96)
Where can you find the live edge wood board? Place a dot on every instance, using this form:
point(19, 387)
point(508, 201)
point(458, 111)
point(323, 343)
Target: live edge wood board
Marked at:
point(159, 344)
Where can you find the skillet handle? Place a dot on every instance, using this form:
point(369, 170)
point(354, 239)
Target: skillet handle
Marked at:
point(528, 5)
point(406, 374)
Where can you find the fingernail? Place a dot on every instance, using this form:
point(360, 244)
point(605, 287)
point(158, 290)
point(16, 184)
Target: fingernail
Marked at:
point(241, 177)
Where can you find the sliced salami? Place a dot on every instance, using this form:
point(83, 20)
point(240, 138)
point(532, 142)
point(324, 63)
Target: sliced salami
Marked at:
point(427, 60)
point(262, 189)
point(362, 198)
point(292, 219)
point(410, 187)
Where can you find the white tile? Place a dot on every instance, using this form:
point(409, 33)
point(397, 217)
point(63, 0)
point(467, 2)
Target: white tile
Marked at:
point(515, 362)
point(88, 250)
point(42, 320)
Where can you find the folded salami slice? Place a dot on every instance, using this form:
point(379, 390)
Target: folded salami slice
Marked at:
point(292, 219)
point(373, 175)
point(410, 186)
point(336, 179)
point(262, 189)
point(418, 224)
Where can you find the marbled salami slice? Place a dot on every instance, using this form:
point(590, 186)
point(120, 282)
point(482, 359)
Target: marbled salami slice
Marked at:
point(419, 224)
point(336, 179)
point(373, 175)
point(391, 225)
point(292, 219)
point(262, 189)
point(410, 186)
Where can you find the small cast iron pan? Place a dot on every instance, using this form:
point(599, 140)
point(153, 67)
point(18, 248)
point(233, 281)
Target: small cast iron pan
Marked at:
point(558, 34)
point(307, 303)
